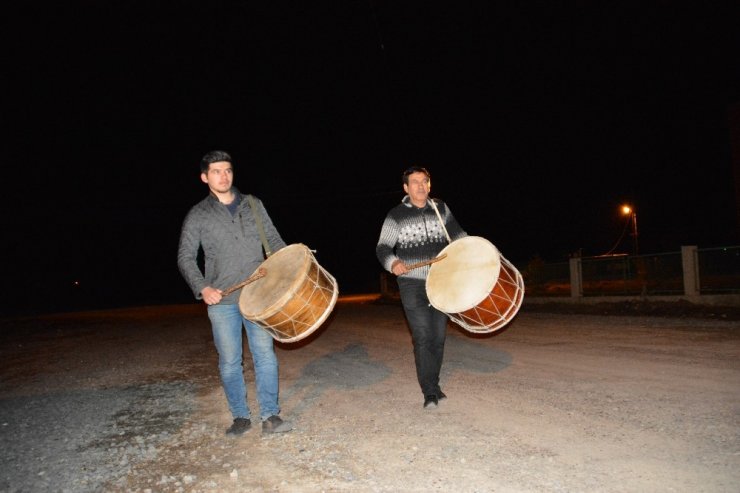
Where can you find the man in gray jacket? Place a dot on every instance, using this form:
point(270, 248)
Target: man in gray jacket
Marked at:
point(224, 226)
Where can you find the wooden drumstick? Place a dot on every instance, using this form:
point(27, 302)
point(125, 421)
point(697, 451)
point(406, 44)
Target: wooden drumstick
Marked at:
point(426, 262)
point(261, 272)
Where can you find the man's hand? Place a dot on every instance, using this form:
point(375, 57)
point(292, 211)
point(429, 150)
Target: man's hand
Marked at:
point(211, 296)
point(398, 268)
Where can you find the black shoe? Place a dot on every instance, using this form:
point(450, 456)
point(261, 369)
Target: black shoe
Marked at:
point(239, 426)
point(430, 401)
point(274, 424)
point(441, 396)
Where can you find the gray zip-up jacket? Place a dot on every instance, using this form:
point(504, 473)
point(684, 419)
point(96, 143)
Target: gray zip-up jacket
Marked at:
point(231, 244)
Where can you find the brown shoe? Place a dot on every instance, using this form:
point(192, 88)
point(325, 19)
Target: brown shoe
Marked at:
point(274, 424)
point(239, 427)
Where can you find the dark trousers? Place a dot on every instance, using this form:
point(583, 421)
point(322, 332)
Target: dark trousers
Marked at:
point(428, 330)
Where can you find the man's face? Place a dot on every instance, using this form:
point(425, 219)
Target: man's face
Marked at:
point(219, 177)
point(418, 188)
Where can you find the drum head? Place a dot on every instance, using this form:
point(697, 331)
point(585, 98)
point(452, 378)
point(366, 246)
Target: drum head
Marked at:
point(465, 277)
point(286, 270)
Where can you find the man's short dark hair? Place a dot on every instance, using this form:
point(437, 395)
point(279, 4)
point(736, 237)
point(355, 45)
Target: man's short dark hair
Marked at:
point(412, 170)
point(214, 157)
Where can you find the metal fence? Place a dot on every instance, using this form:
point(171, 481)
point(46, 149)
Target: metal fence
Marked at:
point(719, 270)
point(687, 272)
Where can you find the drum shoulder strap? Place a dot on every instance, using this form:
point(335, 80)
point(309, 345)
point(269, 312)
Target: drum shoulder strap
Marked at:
point(260, 227)
point(441, 221)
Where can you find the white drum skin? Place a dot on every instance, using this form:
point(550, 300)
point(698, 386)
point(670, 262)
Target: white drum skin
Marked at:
point(475, 285)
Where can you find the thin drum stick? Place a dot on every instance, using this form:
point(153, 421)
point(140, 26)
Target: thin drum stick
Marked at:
point(426, 262)
point(261, 272)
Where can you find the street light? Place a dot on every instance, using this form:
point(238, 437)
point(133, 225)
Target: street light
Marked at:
point(628, 211)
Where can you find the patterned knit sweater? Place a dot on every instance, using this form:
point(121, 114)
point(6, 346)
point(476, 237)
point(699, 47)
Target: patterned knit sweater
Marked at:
point(414, 234)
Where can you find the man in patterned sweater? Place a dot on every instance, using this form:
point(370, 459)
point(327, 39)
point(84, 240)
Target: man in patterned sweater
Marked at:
point(412, 233)
point(225, 227)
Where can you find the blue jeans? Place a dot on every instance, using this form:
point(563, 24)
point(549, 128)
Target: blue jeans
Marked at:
point(428, 330)
point(226, 322)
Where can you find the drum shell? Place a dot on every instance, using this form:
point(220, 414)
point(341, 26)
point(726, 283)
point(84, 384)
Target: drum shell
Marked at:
point(477, 287)
point(303, 305)
point(496, 309)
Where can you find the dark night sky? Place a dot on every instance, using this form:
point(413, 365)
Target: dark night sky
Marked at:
point(536, 121)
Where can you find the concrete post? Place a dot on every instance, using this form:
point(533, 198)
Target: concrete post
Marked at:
point(384, 291)
point(690, 264)
point(576, 278)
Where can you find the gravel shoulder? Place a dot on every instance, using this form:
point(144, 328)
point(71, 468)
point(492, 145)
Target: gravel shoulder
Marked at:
point(129, 400)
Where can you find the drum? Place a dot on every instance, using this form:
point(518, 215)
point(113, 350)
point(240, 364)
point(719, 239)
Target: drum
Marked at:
point(293, 298)
point(475, 285)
